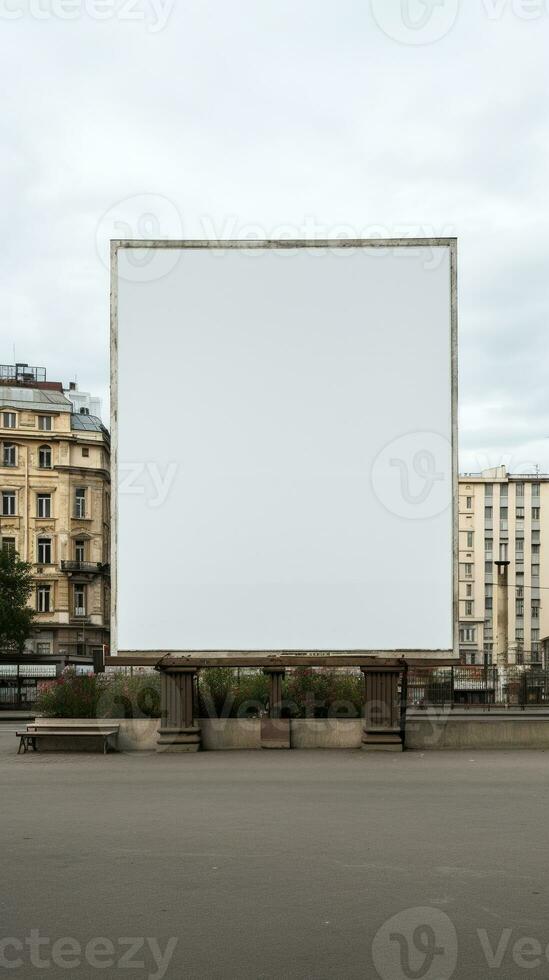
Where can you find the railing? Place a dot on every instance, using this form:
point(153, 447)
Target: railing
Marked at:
point(486, 686)
point(96, 567)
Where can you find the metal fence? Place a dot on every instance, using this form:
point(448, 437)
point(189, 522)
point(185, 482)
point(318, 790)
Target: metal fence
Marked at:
point(500, 687)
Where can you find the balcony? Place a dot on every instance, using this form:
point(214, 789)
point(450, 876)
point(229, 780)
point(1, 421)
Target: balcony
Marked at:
point(85, 567)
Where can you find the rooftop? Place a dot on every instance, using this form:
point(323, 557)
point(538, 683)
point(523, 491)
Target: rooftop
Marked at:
point(28, 398)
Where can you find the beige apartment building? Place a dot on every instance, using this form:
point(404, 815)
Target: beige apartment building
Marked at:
point(504, 567)
point(54, 511)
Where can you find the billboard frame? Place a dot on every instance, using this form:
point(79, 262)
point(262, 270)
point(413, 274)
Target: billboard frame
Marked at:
point(450, 243)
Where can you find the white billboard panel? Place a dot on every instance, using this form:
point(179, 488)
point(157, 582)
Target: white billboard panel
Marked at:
point(284, 444)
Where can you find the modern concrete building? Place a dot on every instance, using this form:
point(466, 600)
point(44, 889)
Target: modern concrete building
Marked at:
point(504, 567)
point(54, 511)
point(83, 403)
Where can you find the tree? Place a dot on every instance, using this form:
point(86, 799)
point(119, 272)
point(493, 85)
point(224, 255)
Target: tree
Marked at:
point(16, 617)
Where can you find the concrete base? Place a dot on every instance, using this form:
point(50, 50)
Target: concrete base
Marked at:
point(376, 740)
point(178, 740)
point(275, 733)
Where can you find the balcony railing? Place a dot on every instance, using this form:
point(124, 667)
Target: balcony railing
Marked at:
point(90, 567)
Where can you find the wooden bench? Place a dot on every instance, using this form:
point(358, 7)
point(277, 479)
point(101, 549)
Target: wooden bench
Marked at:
point(28, 738)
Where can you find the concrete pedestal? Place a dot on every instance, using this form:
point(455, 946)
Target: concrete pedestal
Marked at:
point(382, 711)
point(275, 731)
point(177, 732)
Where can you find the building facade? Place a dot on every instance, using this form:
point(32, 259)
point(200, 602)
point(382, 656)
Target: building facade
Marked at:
point(504, 567)
point(54, 511)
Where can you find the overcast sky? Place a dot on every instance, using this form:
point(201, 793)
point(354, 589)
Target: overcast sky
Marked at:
point(310, 119)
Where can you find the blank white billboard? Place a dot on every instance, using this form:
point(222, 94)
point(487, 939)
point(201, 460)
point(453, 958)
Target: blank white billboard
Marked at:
point(284, 446)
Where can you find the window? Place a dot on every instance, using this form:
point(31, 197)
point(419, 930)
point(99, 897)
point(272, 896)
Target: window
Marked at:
point(9, 454)
point(519, 592)
point(467, 634)
point(536, 537)
point(520, 489)
point(469, 590)
point(44, 457)
point(519, 607)
point(9, 420)
point(503, 513)
point(535, 635)
point(43, 598)
point(468, 570)
point(535, 549)
point(8, 546)
point(468, 608)
point(519, 544)
point(488, 513)
point(503, 550)
point(473, 659)
point(79, 550)
point(79, 600)
point(488, 602)
point(504, 491)
point(469, 502)
point(80, 502)
point(535, 572)
point(488, 589)
point(43, 648)
point(45, 423)
point(535, 610)
point(8, 503)
point(535, 490)
point(469, 539)
point(535, 513)
point(519, 513)
point(85, 451)
point(488, 545)
point(488, 570)
point(488, 491)
point(519, 633)
point(43, 501)
point(44, 551)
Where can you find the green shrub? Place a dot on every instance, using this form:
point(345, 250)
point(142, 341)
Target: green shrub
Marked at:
point(307, 692)
point(116, 695)
point(223, 692)
point(71, 695)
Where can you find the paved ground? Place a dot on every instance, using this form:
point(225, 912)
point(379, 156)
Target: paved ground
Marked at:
point(275, 865)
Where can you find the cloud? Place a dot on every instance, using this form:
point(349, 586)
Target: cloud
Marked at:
point(245, 113)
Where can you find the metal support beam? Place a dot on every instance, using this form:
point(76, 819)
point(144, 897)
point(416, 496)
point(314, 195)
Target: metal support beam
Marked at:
point(275, 730)
point(178, 732)
point(383, 717)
